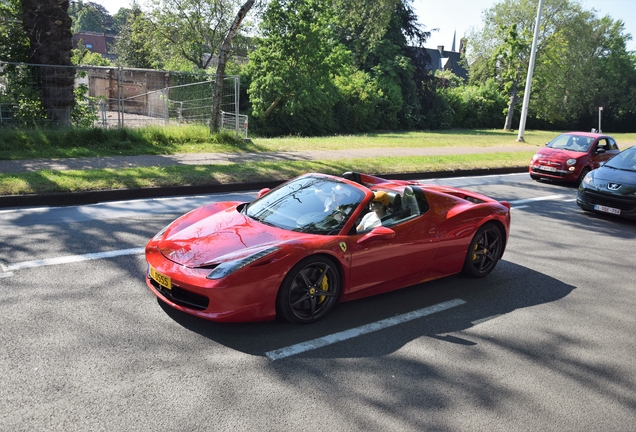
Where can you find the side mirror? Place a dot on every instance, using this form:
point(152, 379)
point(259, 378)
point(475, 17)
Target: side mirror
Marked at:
point(377, 233)
point(600, 150)
point(262, 192)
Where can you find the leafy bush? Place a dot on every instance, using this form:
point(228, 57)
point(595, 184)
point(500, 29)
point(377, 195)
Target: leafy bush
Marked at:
point(475, 107)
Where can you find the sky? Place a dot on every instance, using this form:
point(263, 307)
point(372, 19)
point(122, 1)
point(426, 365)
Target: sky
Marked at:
point(460, 15)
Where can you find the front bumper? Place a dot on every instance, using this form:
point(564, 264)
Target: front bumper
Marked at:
point(240, 297)
point(600, 202)
point(557, 174)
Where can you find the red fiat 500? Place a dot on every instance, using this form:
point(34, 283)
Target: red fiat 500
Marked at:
point(570, 156)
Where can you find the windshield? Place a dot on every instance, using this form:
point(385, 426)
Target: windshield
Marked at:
point(311, 204)
point(625, 160)
point(571, 142)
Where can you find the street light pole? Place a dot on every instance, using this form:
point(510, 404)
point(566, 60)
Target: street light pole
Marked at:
point(526, 93)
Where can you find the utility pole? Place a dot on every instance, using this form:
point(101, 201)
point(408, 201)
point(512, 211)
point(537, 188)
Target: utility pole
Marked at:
point(526, 93)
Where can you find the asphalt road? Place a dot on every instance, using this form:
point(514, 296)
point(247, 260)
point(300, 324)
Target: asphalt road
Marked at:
point(545, 343)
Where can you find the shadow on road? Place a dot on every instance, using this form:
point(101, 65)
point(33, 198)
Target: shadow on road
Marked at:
point(509, 288)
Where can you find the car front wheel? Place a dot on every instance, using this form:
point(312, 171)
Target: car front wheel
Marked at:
point(484, 251)
point(310, 290)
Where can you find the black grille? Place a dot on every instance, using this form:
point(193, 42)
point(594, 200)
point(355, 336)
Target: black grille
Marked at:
point(182, 297)
point(610, 201)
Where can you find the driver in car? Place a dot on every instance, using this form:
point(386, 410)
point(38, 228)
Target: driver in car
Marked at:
point(378, 207)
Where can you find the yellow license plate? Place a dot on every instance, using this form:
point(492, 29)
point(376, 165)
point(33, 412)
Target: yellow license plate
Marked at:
point(162, 279)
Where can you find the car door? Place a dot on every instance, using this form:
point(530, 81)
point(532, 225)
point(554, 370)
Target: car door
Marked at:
point(611, 150)
point(394, 256)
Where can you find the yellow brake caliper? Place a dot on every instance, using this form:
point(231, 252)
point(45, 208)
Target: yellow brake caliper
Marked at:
point(324, 285)
point(485, 251)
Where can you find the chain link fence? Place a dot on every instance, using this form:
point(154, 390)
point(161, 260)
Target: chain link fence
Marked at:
point(113, 97)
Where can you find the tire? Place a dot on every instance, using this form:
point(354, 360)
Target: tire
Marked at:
point(484, 252)
point(310, 290)
point(583, 174)
point(535, 177)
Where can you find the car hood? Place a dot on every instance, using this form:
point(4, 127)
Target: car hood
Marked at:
point(220, 237)
point(624, 180)
point(558, 155)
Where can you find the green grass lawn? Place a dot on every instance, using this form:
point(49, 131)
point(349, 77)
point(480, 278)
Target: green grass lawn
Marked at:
point(77, 181)
point(70, 143)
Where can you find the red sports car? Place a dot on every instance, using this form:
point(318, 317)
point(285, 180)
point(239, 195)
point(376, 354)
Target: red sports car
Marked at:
point(570, 156)
point(299, 248)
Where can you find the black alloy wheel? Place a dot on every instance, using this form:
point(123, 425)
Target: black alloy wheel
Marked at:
point(484, 251)
point(310, 290)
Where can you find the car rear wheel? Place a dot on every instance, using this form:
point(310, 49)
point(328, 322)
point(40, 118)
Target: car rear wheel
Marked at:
point(484, 251)
point(310, 290)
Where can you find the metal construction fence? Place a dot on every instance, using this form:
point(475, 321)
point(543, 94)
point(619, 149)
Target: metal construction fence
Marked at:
point(117, 97)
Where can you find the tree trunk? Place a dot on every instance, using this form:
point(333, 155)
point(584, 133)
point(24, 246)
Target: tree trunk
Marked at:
point(511, 106)
point(49, 28)
point(220, 69)
point(513, 101)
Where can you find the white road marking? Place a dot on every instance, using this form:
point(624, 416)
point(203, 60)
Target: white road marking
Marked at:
point(518, 207)
point(359, 331)
point(543, 198)
point(73, 258)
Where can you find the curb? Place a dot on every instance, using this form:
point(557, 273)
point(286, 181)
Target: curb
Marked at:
point(94, 197)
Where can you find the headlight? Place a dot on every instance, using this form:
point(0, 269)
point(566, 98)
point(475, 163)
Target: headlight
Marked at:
point(589, 179)
point(226, 268)
point(535, 157)
point(570, 162)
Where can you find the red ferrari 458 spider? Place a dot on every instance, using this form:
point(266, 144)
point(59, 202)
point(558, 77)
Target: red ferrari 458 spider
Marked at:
point(298, 249)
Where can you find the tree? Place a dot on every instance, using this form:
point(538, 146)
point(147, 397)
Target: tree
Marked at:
point(192, 30)
point(507, 36)
point(90, 17)
point(510, 61)
point(224, 53)
point(14, 43)
point(316, 71)
point(133, 47)
point(394, 62)
point(360, 23)
point(48, 27)
point(120, 18)
point(291, 71)
point(581, 60)
point(588, 66)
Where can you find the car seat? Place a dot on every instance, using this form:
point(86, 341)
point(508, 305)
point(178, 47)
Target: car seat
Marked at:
point(410, 202)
